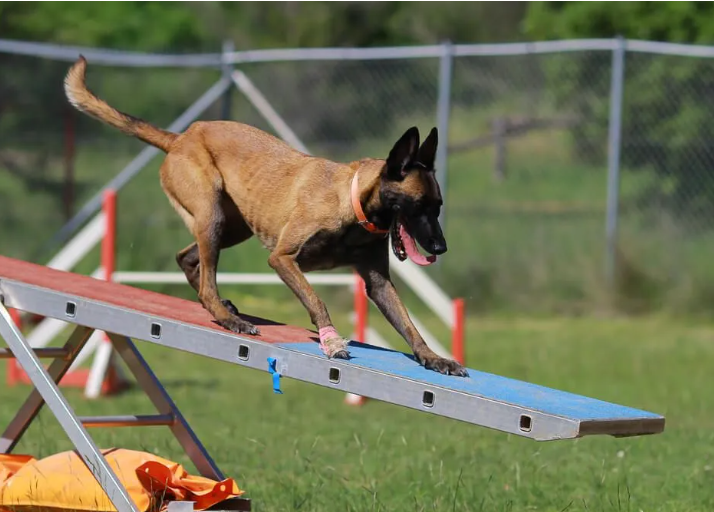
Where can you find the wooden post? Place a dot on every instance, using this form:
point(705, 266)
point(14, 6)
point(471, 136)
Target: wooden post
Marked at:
point(500, 128)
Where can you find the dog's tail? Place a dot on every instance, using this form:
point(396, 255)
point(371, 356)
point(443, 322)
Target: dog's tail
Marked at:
point(85, 101)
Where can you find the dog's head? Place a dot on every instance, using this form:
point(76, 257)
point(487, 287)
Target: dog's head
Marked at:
point(408, 188)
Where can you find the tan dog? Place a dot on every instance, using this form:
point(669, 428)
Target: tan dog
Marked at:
point(229, 181)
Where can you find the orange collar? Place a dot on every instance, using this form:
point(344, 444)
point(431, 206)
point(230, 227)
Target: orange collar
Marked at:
point(357, 207)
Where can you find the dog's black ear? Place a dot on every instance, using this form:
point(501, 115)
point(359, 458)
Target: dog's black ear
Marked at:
point(402, 154)
point(427, 151)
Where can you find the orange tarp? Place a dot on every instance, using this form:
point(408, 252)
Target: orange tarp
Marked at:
point(63, 481)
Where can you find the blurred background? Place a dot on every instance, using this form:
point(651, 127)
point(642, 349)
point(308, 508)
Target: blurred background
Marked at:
point(578, 173)
point(526, 174)
point(532, 132)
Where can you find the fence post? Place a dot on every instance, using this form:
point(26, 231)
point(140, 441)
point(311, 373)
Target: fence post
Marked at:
point(227, 69)
point(613, 164)
point(443, 110)
point(500, 129)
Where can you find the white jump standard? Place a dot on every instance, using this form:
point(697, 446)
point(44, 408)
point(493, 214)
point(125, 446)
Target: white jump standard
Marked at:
point(126, 312)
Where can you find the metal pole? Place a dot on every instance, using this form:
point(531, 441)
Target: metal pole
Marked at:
point(228, 48)
point(613, 167)
point(49, 393)
point(165, 405)
point(260, 102)
point(31, 408)
point(443, 109)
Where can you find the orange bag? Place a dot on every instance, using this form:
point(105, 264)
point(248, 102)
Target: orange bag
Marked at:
point(62, 481)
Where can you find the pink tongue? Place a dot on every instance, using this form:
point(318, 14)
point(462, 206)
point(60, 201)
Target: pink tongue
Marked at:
point(412, 251)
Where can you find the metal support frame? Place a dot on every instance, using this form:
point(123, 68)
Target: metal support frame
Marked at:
point(55, 372)
point(227, 68)
point(47, 392)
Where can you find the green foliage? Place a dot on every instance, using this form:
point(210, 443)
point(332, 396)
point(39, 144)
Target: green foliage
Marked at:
point(193, 26)
point(678, 22)
point(130, 25)
point(32, 99)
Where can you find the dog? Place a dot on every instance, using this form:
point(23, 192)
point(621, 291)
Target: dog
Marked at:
point(229, 181)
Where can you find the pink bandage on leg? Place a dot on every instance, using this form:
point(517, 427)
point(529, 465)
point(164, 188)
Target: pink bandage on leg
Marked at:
point(327, 332)
point(337, 345)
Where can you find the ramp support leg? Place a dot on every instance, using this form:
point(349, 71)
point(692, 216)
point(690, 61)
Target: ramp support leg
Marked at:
point(48, 391)
point(165, 405)
point(35, 401)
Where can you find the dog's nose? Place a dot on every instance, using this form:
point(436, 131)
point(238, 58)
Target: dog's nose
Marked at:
point(438, 247)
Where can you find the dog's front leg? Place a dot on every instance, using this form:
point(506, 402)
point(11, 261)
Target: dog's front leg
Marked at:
point(382, 292)
point(331, 343)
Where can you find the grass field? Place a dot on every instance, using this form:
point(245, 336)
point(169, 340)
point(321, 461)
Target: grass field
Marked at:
point(306, 450)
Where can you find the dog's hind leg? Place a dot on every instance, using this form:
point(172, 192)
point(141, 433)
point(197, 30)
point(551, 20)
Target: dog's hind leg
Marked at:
point(195, 189)
point(188, 260)
point(209, 231)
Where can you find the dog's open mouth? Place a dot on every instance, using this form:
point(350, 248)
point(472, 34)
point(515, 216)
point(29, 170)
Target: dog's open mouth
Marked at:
point(404, 245)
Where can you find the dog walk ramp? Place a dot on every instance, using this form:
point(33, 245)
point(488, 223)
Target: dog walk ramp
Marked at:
point(285, 351)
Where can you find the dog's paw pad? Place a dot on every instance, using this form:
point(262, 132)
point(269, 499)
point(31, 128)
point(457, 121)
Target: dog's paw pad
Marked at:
point(342, 354)
point(445, 366)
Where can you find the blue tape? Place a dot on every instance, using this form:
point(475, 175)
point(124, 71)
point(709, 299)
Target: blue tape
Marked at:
point(276, 376)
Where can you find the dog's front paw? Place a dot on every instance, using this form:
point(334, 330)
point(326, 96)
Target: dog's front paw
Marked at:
point(445, 366)
point(239, 326)
point(332, 344)
point(335, 348)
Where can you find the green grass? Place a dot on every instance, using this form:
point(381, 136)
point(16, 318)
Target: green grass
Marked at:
point(306, 450)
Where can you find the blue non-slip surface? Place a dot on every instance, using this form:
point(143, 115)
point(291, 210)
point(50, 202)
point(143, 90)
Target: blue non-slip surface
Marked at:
point(483, 384)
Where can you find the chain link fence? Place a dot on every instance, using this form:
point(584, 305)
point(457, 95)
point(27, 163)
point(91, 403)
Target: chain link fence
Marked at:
point(666, 222)
point(526, 178)
point(529, 133)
